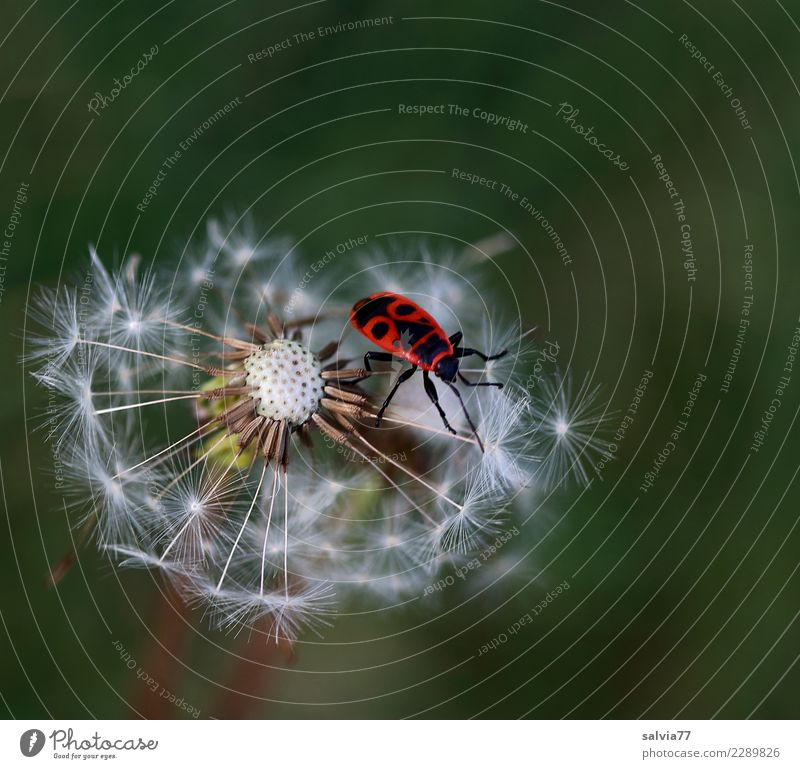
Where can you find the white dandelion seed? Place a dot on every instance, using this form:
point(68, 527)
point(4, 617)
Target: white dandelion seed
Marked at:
point(107, 494)
point(236, 607)
point(132, 557)
point(509, 459)
point(477, 518)
point(239, 243)
point(56, 312)
point(70, 416)
point(569, 429)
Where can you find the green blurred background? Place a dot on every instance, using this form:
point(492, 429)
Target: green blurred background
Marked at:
point(683, 598)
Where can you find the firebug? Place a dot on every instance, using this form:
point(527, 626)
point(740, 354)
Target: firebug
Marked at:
point(402, 329)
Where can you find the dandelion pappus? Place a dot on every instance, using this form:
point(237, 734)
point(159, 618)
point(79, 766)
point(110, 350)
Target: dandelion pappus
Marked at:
point(402, 329)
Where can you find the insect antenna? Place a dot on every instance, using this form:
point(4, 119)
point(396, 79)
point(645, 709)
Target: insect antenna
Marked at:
point(466, 414)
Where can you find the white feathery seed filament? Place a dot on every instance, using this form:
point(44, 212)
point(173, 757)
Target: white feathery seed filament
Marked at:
point(244, 524)
point(286, 532)
point(408, 472)
point(168, 449)
point(142, 404)
point(266, 530)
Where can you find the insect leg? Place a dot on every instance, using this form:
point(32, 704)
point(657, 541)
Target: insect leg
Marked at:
point(463, 352)
point(383, 357)
point(402, 378)
point(456, 338)
point(430, 389)
point(466, 381)
point(466, 414)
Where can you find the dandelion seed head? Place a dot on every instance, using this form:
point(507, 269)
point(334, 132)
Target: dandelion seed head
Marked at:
point(286, 380)
point(282, 494)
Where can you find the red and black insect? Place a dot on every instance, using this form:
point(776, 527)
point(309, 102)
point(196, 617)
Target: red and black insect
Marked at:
point(404, 330)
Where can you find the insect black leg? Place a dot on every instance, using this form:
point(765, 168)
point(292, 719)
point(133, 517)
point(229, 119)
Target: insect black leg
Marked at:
point(402, 378)
point(466, 414)
point(383, 357)
point(466, 381)
point(456, 338)
point(430, 389)
point(463, 352)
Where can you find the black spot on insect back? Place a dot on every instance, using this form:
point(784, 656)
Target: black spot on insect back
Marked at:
point(369, 308)
point(380, 329)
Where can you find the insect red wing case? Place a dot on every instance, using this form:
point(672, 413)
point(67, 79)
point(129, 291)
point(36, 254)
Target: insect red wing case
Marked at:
point(400, 326)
